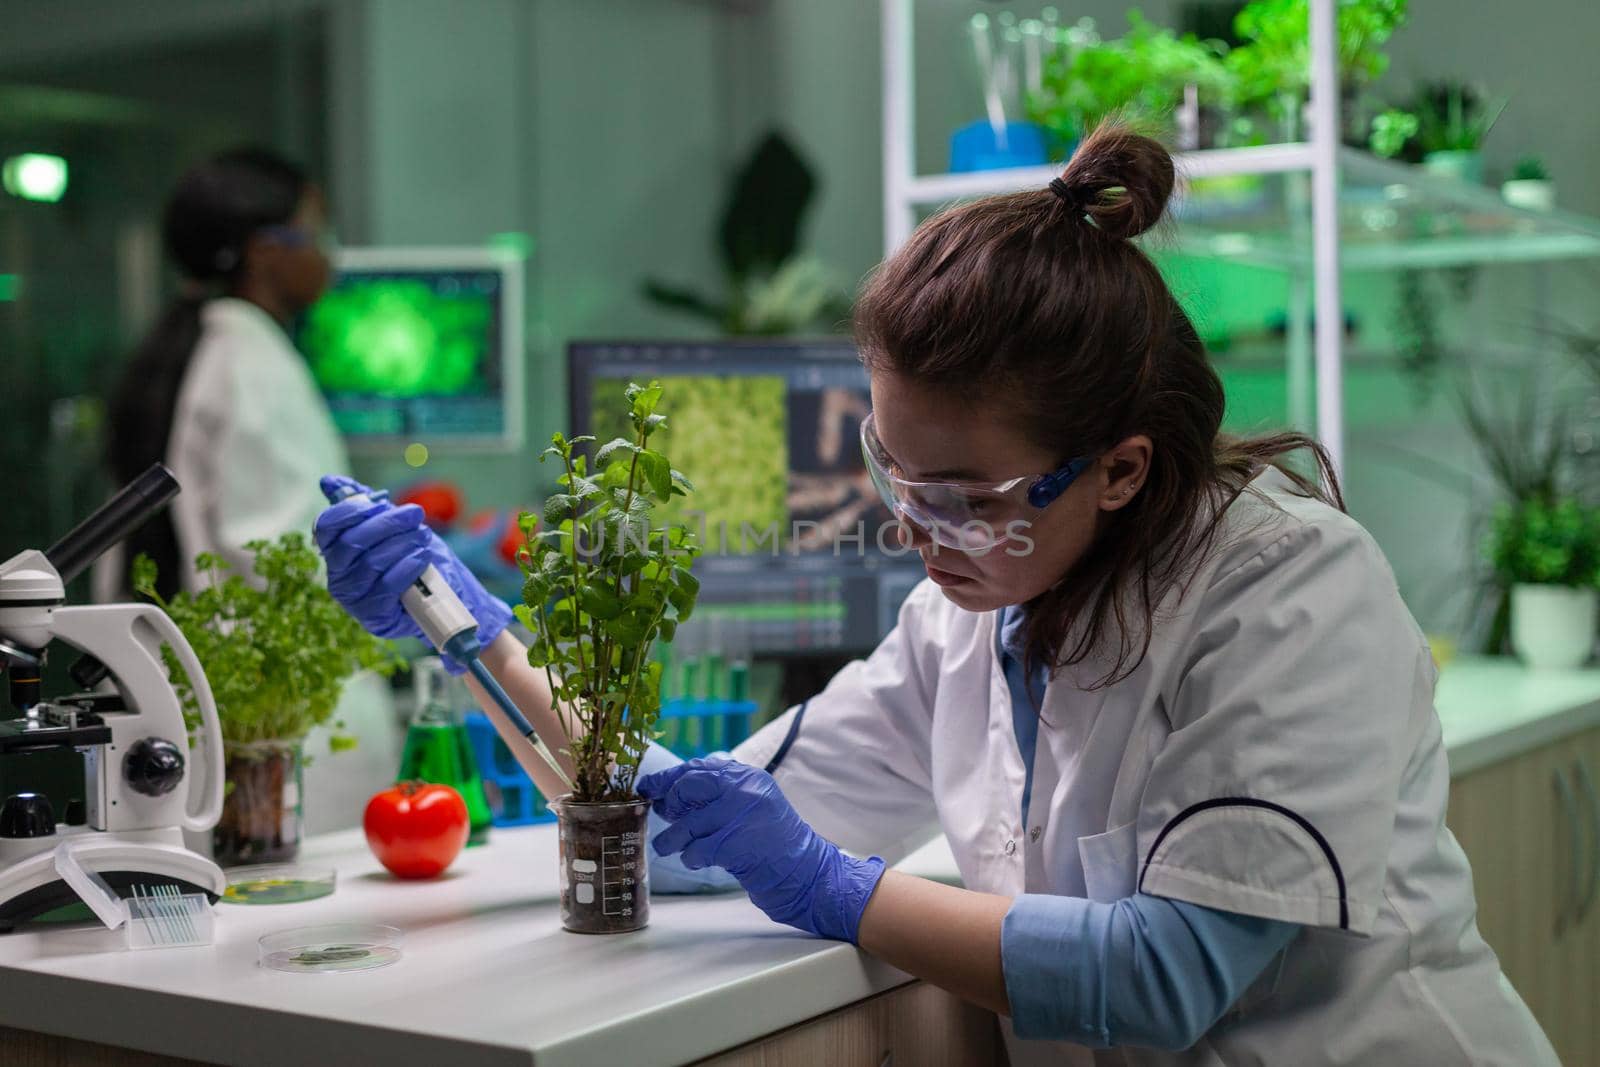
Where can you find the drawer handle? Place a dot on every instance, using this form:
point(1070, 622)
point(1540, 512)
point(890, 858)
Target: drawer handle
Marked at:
point(888, 1059)
point(1592, 797)
point(1569, 808)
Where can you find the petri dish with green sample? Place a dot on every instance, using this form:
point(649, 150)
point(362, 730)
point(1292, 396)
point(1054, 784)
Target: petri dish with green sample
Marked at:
point(278, 883)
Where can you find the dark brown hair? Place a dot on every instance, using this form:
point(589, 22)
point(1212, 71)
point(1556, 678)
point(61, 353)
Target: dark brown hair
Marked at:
point(1042, 302)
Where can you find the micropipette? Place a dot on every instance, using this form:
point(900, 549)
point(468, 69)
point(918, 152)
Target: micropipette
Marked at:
point(447, 623)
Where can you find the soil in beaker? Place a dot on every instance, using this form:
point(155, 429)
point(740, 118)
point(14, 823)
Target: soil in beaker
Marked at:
point(605, 879)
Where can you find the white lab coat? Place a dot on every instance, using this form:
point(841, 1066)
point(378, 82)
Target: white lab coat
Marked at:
point(251, 438)
point(1276, 754)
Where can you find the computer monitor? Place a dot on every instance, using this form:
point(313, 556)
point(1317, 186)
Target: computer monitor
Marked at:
point(421, 344)
point(796, 542)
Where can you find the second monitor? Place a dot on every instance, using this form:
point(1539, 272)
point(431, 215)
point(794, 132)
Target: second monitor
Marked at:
point(794, 536)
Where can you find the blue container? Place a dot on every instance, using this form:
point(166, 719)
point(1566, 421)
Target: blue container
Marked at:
point(513, 798)
point(974, 147)
point(695, 728)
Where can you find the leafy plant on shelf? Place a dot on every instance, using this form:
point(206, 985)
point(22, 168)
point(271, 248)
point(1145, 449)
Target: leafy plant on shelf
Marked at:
point(1140, 77)
point(276, 652)
point(1392, 129)
point(601, 585)
point(1455, 118)
point(1545, 542)
point(1273, 65)
point(1530, 169)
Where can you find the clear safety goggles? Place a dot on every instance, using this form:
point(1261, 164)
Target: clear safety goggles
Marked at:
point(966, 516)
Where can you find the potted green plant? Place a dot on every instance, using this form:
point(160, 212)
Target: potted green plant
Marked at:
point(277, 652)
point(1547, 551)
point(1272, 67)
point(1149, 77)
point(1392, 129)
point(1529, 186)
point(601, 585)
point(1453, 120)
point(773, 287)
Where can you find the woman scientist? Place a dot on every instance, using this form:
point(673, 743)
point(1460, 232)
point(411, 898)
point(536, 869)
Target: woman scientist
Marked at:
point(217, 391)
point(1160, 693)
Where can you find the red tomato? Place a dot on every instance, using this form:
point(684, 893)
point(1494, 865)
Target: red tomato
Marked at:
point(512, 539)
point(440, 502)
point(416, 829)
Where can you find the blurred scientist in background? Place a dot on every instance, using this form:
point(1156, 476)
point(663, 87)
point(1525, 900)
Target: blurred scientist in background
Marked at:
point(216, 390)
point(219, 393)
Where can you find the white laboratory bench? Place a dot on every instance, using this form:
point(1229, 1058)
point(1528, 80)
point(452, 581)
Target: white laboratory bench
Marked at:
point(489, 977)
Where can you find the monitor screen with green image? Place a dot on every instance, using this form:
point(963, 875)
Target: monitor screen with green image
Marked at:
point(420, 345)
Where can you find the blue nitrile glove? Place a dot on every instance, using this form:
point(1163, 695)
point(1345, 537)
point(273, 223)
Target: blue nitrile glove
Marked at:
point(668, 875)
point(374, 552)
point(731, 815)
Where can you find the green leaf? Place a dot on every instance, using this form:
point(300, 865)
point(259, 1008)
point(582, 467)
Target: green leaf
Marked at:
point(600, 601)
point(657, 471)
point(630, 627)
point(616, 447)
point(559, 507)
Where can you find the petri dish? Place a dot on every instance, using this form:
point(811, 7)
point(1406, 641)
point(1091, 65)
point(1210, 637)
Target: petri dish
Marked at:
point(278, 883)
point(331, 949)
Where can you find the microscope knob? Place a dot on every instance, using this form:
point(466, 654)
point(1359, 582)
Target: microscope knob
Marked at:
point(153, 766)
point(27, 815)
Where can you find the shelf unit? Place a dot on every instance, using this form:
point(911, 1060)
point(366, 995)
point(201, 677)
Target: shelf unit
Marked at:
point(1366, 214)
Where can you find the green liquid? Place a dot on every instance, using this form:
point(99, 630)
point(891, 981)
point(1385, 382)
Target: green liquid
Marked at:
point(439, 752)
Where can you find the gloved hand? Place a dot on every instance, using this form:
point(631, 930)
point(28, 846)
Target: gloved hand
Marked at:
point(374, 552)
point(731, 815)
point(668, 875)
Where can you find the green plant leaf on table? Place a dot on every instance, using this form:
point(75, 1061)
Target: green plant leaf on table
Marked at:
point(276, 652)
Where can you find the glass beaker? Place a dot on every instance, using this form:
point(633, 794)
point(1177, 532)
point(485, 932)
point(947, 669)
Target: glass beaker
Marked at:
point(437, 747)
point(261, 815)
point(605, 878)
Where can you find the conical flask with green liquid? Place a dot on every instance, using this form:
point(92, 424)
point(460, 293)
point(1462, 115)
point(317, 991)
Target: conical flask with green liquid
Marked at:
point(437, 749)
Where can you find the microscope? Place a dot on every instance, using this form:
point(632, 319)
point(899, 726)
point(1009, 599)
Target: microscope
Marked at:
point(107, 766)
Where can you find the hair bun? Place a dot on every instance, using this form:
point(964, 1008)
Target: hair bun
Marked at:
point(1122, 179)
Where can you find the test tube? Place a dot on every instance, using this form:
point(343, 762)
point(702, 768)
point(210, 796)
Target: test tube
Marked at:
point(739, 664)
point(687, 654)
point(716, 641)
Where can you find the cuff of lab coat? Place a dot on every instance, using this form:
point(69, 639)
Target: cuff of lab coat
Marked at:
point(1196, 887)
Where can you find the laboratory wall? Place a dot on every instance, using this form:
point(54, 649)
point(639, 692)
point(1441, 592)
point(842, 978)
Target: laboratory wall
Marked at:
point(604, 132)
point(1413, 476)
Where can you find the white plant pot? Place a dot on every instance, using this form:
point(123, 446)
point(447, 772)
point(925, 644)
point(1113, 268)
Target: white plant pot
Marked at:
point(1534, 194)
point(1553, 626)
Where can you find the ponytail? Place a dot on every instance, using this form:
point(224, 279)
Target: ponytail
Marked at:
point(139, 422)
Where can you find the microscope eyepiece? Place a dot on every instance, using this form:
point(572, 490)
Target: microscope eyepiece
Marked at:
point(114, 520)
